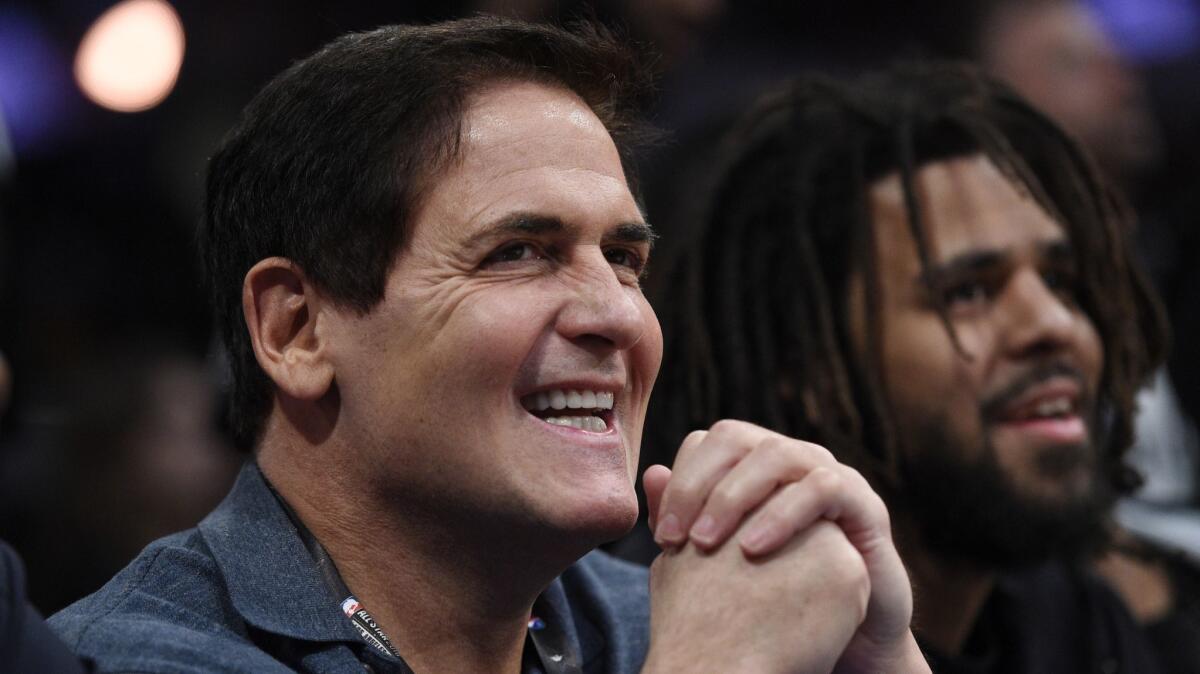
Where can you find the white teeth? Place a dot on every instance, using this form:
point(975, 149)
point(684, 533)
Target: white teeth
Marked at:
point(593, 424)
point(574, 400)
point(560, 399)
point(1053, 407)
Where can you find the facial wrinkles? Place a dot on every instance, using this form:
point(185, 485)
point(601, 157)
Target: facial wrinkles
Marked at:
point(580, 270)
point(436, 287)
point(588, 279)
point(449, 278)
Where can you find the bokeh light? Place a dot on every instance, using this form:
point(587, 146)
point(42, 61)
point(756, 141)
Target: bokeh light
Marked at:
point(129, 59)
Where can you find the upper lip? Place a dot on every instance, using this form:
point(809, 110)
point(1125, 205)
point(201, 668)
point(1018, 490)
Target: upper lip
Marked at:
point(1022, 397)
point(1026, 404)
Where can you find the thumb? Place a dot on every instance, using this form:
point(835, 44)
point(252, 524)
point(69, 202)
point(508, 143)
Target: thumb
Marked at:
point(654, 481)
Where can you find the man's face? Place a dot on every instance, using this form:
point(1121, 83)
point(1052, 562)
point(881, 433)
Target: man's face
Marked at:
point(1005, 426)
point(516, 294)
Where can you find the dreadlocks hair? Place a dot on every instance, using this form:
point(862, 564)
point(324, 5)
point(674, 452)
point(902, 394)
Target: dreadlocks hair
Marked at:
point(754, 301)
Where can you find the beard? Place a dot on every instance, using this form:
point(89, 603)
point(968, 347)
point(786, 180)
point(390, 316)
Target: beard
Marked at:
point(970, 511)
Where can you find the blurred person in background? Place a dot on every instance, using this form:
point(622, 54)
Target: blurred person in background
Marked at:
point(26, 644)
point(1057, 55)
point(421, 243)
point(134, 454)
point(923, 274)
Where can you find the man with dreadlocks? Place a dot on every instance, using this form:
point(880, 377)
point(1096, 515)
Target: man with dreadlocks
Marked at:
point(925, 275)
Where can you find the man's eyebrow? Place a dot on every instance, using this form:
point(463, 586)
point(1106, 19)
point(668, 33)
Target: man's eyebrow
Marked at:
point(1058, 250)
point(1054, 250)
point(963, 264)
point(529, 224)
point(633, 232)
point(534, 224)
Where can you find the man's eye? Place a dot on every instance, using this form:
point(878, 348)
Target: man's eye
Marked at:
point(1060, 281)
point(514, 252)
point(625, 258)
point(965, 294)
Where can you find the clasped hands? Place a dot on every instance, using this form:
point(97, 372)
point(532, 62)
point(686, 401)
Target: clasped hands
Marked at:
point(777, 558)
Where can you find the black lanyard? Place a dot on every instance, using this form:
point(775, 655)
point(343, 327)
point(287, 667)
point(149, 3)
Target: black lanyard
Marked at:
point(366, 626)
point(557, 653)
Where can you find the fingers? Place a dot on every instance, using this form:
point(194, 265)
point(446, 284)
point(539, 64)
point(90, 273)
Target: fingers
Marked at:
point(826, 492)
point(773, 462)
point(737, 468)
point(770, 490)
point(654, 481)
point(723, 474)
point(678, 502)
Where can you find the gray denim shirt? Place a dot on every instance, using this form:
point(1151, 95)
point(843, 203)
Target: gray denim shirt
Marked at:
point(241, 593)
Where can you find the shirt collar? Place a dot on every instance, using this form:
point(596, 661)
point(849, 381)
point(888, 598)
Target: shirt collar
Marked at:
point(273, 581)
point(275, 585)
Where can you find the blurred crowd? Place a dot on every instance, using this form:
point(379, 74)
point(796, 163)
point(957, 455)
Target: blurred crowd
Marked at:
point(110, 383)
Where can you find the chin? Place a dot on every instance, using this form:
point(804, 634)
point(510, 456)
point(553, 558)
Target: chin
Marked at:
point(598, 520)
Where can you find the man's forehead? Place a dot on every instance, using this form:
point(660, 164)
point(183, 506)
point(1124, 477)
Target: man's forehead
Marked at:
point(488, 120)
point(529, 150)
point(484, 125)
point(965, 204)
point(511, 127)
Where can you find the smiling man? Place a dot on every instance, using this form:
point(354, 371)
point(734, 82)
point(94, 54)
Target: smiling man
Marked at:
point(934, 284)
point(426, 259)
point(1003, 408)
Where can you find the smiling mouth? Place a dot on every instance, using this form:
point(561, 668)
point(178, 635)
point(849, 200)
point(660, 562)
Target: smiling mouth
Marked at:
point(1050, 407)
point(1052, 416)
point(580, 409)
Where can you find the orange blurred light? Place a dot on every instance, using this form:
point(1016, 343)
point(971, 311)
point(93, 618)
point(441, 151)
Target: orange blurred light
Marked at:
point(129, 59)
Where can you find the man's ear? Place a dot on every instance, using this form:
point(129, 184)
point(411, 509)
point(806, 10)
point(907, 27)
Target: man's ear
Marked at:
point(281, 309)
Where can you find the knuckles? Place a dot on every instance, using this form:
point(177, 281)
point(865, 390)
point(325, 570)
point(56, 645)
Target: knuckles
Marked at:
point(690, 443)
point(722, 497)
point(743, 437)
point(726, 428)
point(826, 481)
point(778, 457)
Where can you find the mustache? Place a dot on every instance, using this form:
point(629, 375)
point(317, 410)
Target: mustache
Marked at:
point(994, 404)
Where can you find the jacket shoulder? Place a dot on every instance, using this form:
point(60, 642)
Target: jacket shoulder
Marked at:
point(167, 611)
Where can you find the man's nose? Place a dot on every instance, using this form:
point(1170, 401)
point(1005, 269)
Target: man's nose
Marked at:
point(1038, 319)
point(602, 310)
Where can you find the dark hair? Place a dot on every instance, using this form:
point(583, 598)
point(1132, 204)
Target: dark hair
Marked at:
point(328, 161)
point(757, 326)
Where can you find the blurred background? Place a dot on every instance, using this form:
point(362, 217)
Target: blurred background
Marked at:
point(108, 110)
